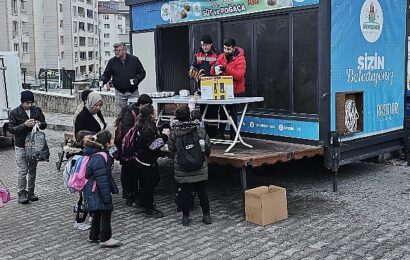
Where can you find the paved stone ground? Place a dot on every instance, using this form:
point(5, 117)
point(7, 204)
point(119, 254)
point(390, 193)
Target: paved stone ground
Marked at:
point(368, 219)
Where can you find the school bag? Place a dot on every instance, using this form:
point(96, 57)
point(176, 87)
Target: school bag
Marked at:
point(118, 139)
point(127, 151)
point(77, 179)
point(69, 169)
point(190, 157)
point(36, 145)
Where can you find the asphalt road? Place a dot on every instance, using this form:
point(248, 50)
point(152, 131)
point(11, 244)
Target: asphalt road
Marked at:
point(368, 218)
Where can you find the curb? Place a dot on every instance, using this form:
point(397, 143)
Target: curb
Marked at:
point(60, 127)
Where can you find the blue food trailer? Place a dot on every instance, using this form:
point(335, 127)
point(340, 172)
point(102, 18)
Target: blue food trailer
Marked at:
point(333, 73)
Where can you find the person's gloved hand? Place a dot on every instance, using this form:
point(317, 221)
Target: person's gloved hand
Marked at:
point(192, 73)
point(218, 70)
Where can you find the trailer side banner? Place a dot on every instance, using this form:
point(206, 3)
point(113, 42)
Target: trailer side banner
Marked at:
point(367, 66)
point(148, 16)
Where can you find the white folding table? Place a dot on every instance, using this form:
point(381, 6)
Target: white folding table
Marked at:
point(223, 103)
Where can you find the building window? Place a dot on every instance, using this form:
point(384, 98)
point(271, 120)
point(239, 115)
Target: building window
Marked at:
point(14, 7)
point(106, 44)
point(61, 23)
point(107, 53)
point(62, 55)
point(90, 27)
point(83, 69)
point(25, 47)
point(106, 16)
point(81, 26)
point(89, 13)
point(75, 26)
point(91, 69)
point(15, 28)
point(90, 2)
point(96, 29)
point(106, 35)
point(120, 30)
point(90, 55)
point(81, 12)
point(16, 47)
point(76, 57)
point(75, 41)
point(106, 26)
point(60, 7)
point(82, 41)
point(120, 17)
point(83, 55)
point(75, 11)
point(90, 42)
point(22, 6)
point(61, 40)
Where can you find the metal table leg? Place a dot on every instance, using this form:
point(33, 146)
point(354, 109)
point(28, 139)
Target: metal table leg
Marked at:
point(237, 129)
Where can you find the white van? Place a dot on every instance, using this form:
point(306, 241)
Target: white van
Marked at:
point(10, 89)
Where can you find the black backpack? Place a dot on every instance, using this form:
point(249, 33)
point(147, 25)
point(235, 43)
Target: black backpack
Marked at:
point(189, 154)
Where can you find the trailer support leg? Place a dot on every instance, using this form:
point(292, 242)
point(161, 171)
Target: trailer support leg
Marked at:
point(335, 180)
point(244, 186)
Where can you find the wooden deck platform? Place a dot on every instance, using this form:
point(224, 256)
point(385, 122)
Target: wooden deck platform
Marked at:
point(264, 152)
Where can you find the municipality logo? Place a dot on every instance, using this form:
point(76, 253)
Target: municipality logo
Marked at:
point(371, 20)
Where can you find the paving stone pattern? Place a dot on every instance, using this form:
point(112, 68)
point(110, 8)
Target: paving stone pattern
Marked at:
point(368, 219)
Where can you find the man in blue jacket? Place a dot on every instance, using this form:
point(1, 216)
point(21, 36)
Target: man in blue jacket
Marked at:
point(22, 120)
point(127, 73)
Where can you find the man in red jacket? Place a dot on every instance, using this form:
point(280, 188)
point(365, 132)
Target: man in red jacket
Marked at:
point(231, 63)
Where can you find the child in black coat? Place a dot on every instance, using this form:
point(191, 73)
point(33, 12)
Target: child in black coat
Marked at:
point(147, 146)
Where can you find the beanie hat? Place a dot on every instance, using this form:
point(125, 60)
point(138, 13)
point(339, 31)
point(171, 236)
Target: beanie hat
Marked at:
point(182, 113)
point(206, 39)
point(27, 96)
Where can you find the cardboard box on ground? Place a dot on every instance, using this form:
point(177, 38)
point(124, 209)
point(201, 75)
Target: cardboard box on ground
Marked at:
point(220, 87)
point(265, 205)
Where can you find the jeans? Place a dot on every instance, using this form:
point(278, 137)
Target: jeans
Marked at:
point(26, 167)
point(101, 225)
point(121, 99)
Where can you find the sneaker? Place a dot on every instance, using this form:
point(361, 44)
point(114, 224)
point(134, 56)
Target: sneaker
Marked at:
point(207, 218)
point(32, 196)
point(93, 241)
point(186, 220)
point(23, 197)
point(110, 243)
point(154, 213)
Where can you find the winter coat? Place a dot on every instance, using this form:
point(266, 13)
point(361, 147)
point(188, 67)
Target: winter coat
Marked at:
point(18, 117)
point(121, 73)
point(128, 121)
point(142, 143)
point(179, 129)
point(235, 67)
point(86, 121)
point(98, 171)
point(204, 61)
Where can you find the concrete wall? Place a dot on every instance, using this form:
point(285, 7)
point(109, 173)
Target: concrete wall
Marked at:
point(67, 104)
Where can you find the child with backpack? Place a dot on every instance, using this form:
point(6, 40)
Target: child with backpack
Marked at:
point(148, 143)
point(98, 189)
point(189, 146)
point(129, 173)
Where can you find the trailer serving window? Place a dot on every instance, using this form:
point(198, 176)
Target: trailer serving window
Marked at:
point(281, 52)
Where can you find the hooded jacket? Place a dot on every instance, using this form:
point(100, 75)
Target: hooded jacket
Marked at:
point(121, 73)
point(235, 67)
point(179, 128)
point(98, 171)
point(18, 117)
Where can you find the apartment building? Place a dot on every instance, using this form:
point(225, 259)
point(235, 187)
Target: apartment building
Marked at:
point(52, 34)
point(14, 29)
point(114, 27)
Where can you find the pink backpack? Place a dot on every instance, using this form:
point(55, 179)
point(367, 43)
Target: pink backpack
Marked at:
point(77, 180)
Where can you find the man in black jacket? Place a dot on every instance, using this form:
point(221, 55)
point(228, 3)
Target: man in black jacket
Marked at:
point(127, 72)
point(22, 120)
